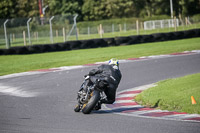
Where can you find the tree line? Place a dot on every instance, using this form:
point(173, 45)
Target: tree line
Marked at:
point(90, 10)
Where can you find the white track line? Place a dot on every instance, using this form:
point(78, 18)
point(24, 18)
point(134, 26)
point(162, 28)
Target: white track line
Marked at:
point(16, 91)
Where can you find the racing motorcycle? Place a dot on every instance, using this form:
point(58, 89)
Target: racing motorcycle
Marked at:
point(89, 96)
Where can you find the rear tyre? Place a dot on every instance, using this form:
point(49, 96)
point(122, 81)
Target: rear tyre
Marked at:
point(87, 108)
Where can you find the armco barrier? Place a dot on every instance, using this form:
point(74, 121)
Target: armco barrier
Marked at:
point(104, 42)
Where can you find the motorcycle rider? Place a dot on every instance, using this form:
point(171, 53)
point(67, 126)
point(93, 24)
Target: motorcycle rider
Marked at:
point(107, 78)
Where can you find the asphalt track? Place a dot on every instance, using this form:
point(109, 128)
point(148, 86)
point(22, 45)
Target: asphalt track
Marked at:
point(44, 102)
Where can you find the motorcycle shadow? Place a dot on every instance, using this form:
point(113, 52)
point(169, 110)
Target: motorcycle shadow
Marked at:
point(118, 110)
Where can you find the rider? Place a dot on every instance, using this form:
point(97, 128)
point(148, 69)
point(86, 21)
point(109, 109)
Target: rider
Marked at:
point(107, 78)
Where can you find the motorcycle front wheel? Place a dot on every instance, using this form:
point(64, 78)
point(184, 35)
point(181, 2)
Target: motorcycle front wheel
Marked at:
point(77, 108)
point(88, 107)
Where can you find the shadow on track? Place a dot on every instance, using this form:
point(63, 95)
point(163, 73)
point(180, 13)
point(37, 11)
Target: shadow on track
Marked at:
point(121, 110)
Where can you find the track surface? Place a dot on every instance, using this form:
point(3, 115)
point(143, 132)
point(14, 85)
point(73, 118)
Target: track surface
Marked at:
point(43, 103)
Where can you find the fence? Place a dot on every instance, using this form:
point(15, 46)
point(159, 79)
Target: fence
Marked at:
point(149, 25)
point(54, 29)
point(28, 31)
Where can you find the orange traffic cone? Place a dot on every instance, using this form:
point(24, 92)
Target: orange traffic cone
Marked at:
point(193, 100)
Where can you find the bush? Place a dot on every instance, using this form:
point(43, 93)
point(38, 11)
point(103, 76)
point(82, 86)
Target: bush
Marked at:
point(196, 18)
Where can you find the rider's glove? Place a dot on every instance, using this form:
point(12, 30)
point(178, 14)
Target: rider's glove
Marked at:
point(85, 75)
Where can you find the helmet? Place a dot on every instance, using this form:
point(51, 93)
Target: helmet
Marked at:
point(113, 61)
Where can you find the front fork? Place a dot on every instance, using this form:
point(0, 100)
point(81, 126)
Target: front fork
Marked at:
point(84, 94)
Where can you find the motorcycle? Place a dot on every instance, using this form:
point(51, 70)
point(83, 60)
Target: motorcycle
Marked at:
point(89, 96)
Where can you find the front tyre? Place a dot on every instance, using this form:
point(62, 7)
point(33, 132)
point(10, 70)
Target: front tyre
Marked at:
point(88, 107)
point(77, 108)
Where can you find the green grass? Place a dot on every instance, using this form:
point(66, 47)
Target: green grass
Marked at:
point(21, 63)
point(174, 94)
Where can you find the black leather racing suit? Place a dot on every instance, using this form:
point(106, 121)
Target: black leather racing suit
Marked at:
point(112, 76)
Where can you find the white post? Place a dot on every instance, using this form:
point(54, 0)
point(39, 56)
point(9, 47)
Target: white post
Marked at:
point(51, 33)
point(101, 30)
point(5, 31)
point(137, 27)
point(64, 35)
point(154, 26)
point(24, 36)
point(169, 23)
point(29, 36)
point(113, 28)
point(120, 28)
point(162, 24)
point(177, 22)
point(57, 33)
point(37, 35)
point(13, 37)
point(88, 31)
point(175, 26)
point(171, 8)
point(145, 25)
point(125, 27)
point(75, 26)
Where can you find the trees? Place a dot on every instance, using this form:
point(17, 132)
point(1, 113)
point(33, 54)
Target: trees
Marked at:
point(7, 9)
point(18, 8)
point(26, 8)
point(99, 9)
point(104, 9)
point(189, 7)
point(69, 7)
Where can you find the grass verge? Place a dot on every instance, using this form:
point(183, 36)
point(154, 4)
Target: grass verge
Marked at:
point(21, 63)
point(174, 95)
